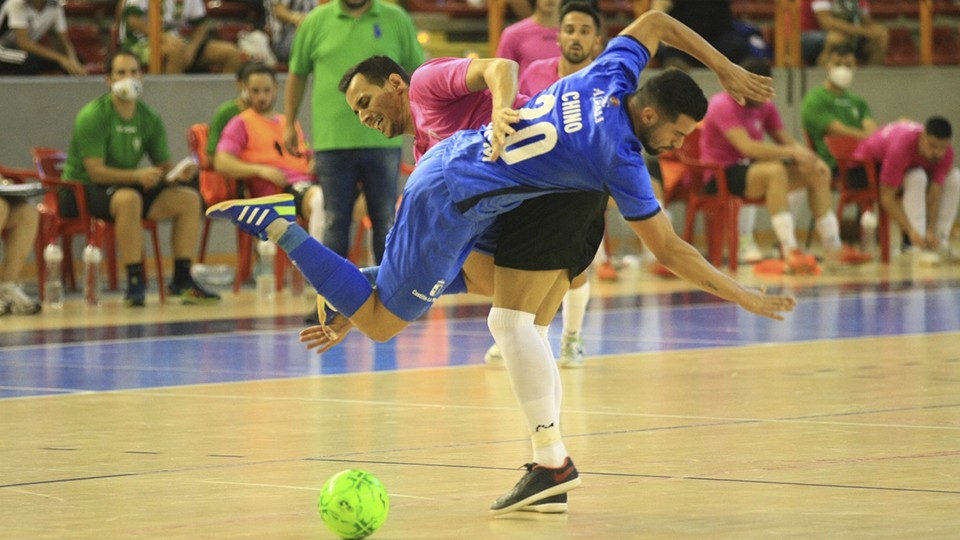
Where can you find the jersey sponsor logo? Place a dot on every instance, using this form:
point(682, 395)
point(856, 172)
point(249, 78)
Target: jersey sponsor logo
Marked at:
point(599, 102)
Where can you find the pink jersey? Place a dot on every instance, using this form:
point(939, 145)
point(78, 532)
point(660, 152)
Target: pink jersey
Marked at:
point(539, 75)
point(441, 103)
point(894, 148)
point(526, 41)
point(724, 114)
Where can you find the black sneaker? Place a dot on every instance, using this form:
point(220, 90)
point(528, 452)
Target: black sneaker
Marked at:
point(539, 483)
point(191, 293)
point(551, 505)
point(136, 296)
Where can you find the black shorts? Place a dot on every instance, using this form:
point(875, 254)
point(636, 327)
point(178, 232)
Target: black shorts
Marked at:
point(856, 177)
point(98, 199)
point(736, 180)
point(557, 231)
point(298, 190)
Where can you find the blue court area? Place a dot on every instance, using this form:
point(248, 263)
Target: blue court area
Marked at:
point(51, 362)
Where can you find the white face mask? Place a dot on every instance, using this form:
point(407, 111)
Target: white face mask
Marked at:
point(840, 76)
point(127, 89)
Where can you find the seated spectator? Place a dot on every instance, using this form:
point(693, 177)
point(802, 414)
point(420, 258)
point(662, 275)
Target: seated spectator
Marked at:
point(832, 109)
point(284, 21)
point(110, 137)
point(919, 184)
point(825, 23)
point(186, 42)
point(532, 38)
point(251, 147)
point(226, 111)
point(733, 136)
point(714, 21)
point(19, 220)
point(25, 23)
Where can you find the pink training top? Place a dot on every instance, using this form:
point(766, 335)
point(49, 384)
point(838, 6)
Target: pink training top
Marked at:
point(539, 75)
point(894, 148)
point(724, 114)
point(441, 103)
point(234, 139)
point(526, 41)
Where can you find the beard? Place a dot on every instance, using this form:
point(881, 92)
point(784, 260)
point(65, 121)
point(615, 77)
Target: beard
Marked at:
point(575, 55)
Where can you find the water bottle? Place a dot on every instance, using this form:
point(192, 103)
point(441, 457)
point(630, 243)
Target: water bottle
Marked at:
point(868, 231)
point(53, 283)
point(266, 279)
point(91, 275)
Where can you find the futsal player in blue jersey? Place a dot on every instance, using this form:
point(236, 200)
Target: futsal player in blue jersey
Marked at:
point(584, 133)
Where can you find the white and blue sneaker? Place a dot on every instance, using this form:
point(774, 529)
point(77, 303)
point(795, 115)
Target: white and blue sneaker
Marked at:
point(571, 351)
point(253, 215)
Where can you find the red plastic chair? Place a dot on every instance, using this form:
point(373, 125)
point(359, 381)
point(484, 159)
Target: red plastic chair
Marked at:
point(721, 210)
point(842, 149)
point(97, 232)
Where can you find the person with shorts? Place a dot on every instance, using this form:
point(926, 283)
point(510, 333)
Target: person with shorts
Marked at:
point(584, 133)
point(23, 50)
point(251, 147)
point(826, 23)
point(733, 137)
point(111, 135)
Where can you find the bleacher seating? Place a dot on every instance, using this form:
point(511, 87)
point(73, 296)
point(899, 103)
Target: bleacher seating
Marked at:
point(902, 50)
point(946, 45)
point(87, 40)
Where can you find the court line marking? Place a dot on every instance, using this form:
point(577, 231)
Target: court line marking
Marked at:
point(302, 488)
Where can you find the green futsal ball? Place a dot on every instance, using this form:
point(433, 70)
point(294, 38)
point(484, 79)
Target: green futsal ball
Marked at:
point(353, 504)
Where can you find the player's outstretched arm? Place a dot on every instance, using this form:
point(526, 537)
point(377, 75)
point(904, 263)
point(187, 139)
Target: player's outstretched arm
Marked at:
point(685, 261)
point(655, 27)
point(500, 76)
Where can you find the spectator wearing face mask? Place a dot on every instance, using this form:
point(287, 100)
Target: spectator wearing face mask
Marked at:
point(111, 135)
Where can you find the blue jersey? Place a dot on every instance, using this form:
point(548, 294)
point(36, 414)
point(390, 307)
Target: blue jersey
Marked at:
point(576, 135)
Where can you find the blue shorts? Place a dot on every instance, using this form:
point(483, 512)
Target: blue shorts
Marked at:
point(428, 244)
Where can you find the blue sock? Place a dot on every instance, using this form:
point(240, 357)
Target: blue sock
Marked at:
point(334, 278)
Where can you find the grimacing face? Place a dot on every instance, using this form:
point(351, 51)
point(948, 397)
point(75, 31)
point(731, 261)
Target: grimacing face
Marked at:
point(577, 37)
point(661, 135)
point(261, 92)
point(378, 107)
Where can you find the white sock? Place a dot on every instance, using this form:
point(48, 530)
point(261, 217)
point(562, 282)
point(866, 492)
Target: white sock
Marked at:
point(317, 217)
point(949, 201)
point(531, 369)
point(783, 227)
point(748, 219)
point(544, 332)
point(829, 230)
point(915, 199)
point(575, 308)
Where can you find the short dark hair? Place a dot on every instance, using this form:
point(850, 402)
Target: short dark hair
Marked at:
point(255, 68)
point(376, 69)
point(841, 49)
point(672, 93)
point(939, 127)
point(757, 66)
point(122, 51)
point(580, 6)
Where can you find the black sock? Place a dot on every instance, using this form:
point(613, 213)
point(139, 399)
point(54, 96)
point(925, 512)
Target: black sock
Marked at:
point(181, 272)
point(135, 277)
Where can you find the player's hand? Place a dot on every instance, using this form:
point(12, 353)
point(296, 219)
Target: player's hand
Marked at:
point(273, 175)
point(743, 85)
point(290, 140)
point(149, 176)
point(759, 302)
point(73, 67)
point(323, 337)
point(187, 173)
point(503, 117)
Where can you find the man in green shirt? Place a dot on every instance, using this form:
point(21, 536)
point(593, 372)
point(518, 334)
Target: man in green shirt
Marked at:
point(110, 137)
point(333, 38)
point(831, 109)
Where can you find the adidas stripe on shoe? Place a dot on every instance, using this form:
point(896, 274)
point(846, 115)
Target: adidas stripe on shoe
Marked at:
point(253, 215)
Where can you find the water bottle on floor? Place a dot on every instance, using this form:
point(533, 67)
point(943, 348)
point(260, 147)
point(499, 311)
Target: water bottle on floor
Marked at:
point(92, 258)
point(265, 277)
point(868, 232)
point(53, 283)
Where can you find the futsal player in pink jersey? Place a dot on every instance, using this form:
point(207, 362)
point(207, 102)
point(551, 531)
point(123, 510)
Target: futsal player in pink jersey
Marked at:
point(916, 160)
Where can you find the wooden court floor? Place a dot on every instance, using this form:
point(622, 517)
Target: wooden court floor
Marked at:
point(688, 421)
